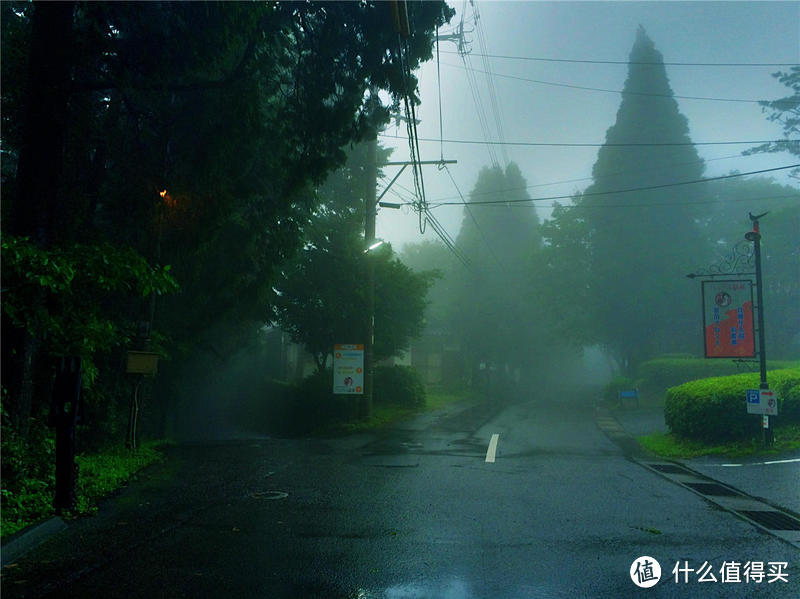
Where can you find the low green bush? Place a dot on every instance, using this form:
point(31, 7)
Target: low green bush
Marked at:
point(399, 385)
point(661, 373)
point(714, 409)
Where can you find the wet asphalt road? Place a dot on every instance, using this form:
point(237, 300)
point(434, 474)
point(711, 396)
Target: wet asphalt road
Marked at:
point(412, 512)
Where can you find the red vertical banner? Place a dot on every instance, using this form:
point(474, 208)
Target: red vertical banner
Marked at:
point(728, 319)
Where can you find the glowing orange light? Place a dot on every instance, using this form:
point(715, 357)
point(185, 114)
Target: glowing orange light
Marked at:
point(163, 193)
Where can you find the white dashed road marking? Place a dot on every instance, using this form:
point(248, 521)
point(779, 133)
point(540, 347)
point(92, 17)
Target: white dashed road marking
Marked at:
point(490, 453)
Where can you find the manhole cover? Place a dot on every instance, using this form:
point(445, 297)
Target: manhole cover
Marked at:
point(269, 495)
point(712, 489)
point(772, 520)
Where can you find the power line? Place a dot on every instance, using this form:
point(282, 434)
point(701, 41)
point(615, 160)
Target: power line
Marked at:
point(646, 188)
point(577, 180)
point(627, 62)
point(493, 103)
point(629, 93)
point(597, 145)
point(795, 197)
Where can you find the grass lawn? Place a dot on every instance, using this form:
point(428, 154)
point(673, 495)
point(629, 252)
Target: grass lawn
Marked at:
point(787, 438)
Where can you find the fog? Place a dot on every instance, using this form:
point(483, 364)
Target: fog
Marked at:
point(684, 32)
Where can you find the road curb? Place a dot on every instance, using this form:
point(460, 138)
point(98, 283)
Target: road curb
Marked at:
point(29, 539)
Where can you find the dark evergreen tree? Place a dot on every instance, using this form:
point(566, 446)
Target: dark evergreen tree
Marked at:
point(640, 230)
point(493, 304)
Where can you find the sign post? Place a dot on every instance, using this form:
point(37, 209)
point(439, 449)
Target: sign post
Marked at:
point(348, 369)
point(755, 237)
point(728, 327)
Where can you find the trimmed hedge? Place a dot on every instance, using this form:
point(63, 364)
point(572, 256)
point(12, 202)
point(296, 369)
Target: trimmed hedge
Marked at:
point(714, 409)
point(657, 375)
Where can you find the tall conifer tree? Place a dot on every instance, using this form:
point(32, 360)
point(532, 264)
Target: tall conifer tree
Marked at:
point(641, 241)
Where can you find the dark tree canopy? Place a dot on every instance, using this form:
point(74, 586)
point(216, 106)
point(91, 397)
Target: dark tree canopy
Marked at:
point(192, 133)
point(322, 295)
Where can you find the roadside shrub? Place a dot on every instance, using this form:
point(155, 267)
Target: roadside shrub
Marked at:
point(661, 373)
point(617, 384)
point(714, 409)
point(312, 404)
point(399, 385)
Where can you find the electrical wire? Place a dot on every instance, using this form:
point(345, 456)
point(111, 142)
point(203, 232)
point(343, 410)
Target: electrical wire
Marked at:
point(787, 102)
point(627, 62)
point(632, 189)
point(785, 197)
point(493, 102)
point(597, 144)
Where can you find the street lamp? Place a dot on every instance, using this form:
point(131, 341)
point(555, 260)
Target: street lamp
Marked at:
point(377, 244)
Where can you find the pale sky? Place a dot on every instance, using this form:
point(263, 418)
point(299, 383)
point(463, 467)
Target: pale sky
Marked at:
point(684, 32)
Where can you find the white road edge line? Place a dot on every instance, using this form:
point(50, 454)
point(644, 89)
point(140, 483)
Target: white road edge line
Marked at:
point(791, 461)
point(783, 461)
point(490, 453)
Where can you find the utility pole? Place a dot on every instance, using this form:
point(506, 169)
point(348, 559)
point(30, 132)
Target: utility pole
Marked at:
point(370, 212)
point(755, 237)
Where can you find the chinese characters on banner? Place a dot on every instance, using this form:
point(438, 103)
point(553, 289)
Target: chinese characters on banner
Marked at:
point(728, 319)
point(348, 369)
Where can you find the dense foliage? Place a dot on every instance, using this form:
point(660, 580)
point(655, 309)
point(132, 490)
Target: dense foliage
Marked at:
point(399, 385)
point(714, 409)
point(322, 293)
point(169, 150)
point(190, 134)
point(785, 111)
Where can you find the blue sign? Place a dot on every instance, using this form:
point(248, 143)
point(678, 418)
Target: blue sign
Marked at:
point(753, 396)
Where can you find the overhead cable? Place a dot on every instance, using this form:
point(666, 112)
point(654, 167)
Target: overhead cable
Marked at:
point(627, 62)
point(632, 189)
point(597, 144)
point(788, 102)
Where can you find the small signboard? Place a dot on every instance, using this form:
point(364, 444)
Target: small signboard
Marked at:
point(762, 401)
point(141, 362)
point(728, 319)
point(348, 369)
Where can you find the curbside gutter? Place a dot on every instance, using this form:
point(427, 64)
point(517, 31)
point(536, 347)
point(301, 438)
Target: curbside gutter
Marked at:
point(29, 538)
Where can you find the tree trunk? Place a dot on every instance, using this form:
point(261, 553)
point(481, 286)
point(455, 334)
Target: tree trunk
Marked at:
point(37, 206)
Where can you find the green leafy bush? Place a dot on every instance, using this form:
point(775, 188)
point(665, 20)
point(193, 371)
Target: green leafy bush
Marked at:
point(659, 374)
point(28, 474)
point(399, 385)
point(311, 404)
point(714, 409)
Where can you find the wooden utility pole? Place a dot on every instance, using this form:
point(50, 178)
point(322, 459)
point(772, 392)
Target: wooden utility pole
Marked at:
point(370, 211)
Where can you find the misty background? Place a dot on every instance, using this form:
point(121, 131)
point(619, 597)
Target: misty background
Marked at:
point(542, 35)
